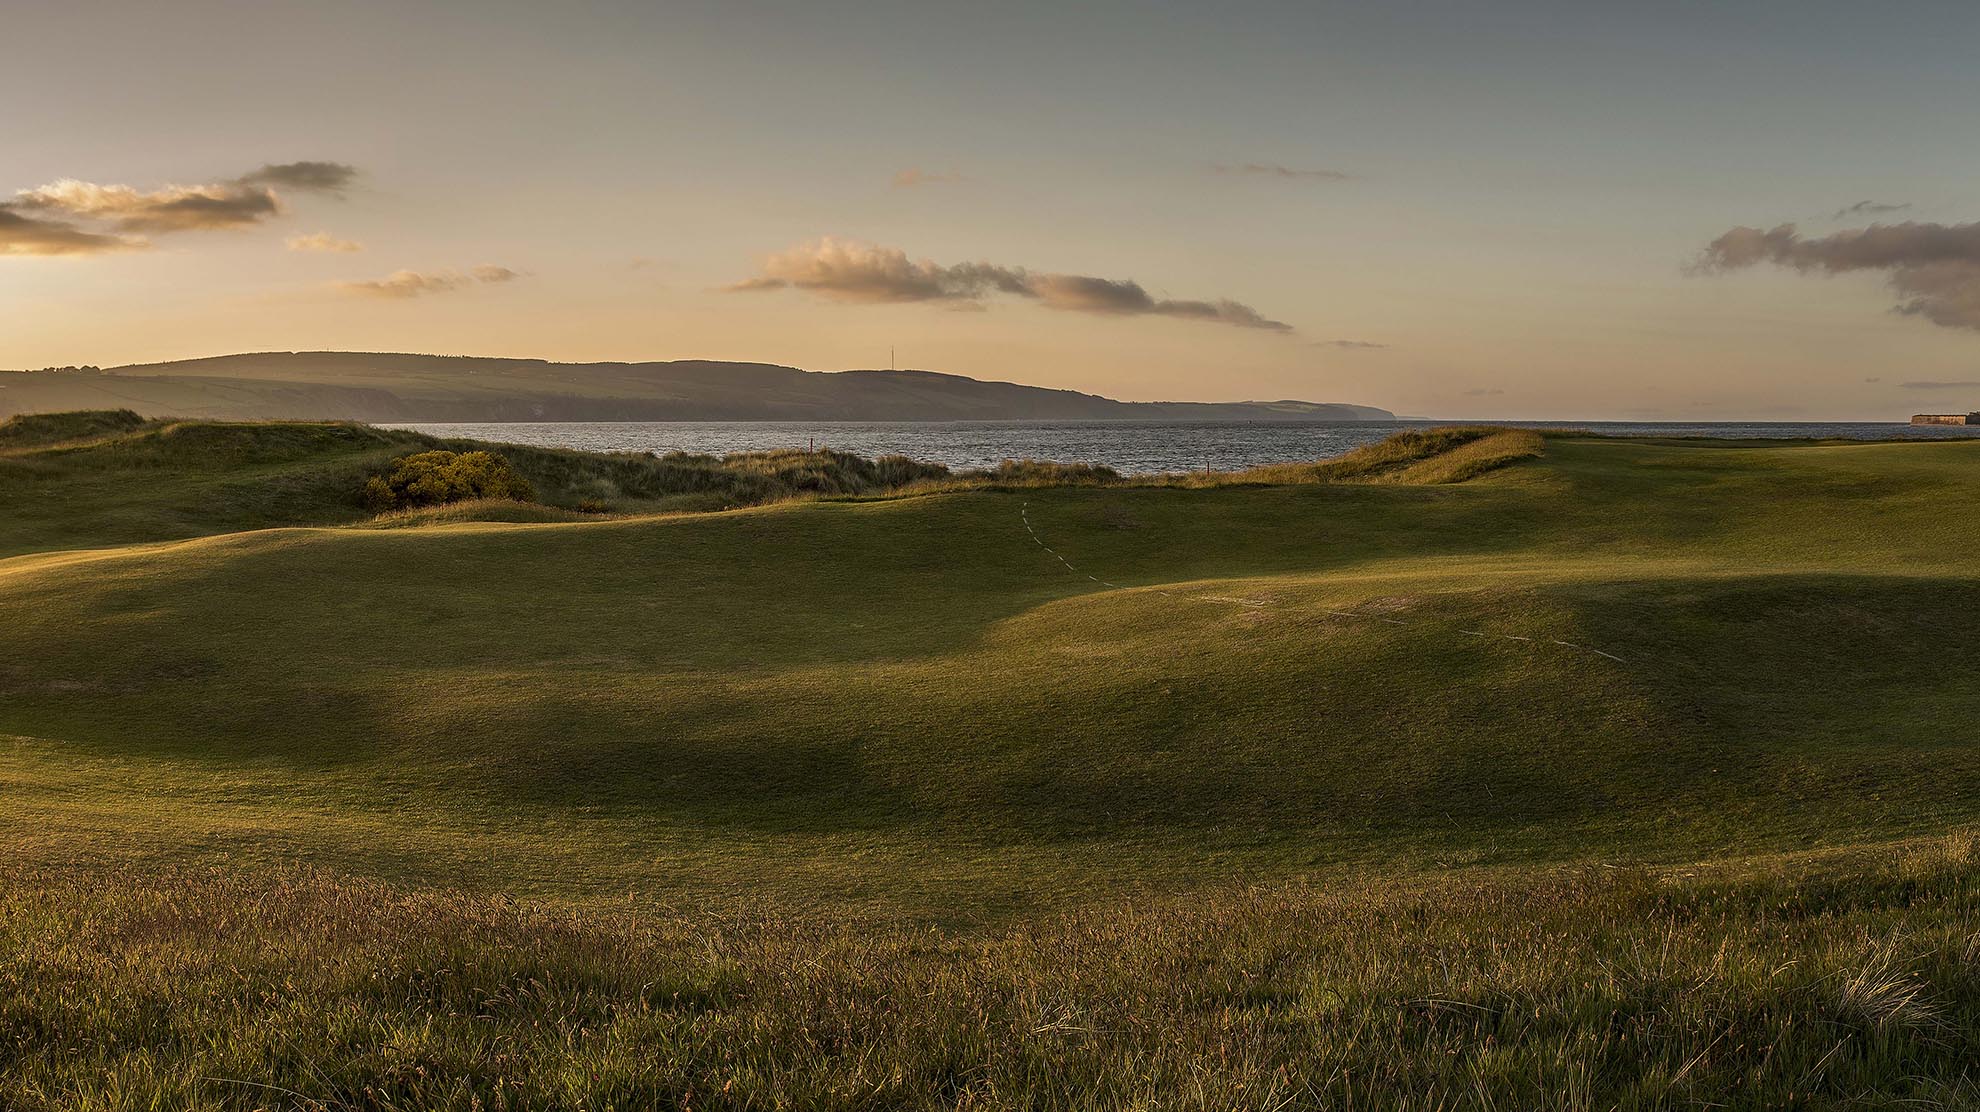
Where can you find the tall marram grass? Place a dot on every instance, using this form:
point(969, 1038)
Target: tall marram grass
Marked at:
point(1842, 984)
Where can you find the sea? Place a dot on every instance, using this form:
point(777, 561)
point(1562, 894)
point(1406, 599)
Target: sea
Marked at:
point(1130, 447)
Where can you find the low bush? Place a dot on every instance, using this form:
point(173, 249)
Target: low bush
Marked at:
point(438, 477)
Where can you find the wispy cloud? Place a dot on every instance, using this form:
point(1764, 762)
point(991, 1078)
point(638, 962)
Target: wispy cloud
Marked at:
point(1933, 268)
point(73, 217)
point(323, 241)
point(402, 284)
point(860, 273)
point(1869, 208)
point(314, 177)
point(1959, 384)
point(1350, 345)
point(914, 176)
point(1275, 170)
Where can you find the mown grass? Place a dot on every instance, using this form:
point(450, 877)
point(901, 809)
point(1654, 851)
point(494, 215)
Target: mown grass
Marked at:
point(1806, 983)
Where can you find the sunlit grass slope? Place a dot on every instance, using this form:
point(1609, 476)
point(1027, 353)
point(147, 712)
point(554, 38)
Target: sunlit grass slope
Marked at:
point(1613, 650)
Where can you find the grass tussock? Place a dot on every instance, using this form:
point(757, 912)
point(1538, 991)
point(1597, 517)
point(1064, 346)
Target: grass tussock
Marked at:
point(1043, 473)
point(1792, 986)
point(487, 509)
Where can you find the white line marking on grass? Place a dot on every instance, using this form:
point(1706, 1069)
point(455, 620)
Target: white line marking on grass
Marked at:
point(1024, 513)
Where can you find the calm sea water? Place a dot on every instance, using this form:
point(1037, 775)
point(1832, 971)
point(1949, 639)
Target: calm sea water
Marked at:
point(1131, 447)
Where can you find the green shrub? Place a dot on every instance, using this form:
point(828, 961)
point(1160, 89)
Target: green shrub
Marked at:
point(438, 477)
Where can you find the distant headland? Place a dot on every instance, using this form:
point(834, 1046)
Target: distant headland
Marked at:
point(370, 386)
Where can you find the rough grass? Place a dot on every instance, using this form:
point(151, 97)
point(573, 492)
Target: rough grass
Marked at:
point(881, 803)
point(82, 479)
point(73, 480)
point(912, 704)
point(1797, 983)
point(1403, 450)
point(40, 430)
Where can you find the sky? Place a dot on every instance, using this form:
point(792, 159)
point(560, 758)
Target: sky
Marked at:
point(1518, 209)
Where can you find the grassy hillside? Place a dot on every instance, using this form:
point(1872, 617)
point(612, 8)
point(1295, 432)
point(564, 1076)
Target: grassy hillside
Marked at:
point(1620, 650)
point(1507, 771)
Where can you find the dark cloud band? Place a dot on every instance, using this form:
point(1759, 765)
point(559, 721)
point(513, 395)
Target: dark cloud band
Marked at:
point(1933, 268)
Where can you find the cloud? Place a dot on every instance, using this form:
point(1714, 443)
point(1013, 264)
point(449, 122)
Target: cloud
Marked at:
point(1350, 345)
point(402, 284)
point(1933, 268)
point(33, 235)
point(1274, 170)
point(859, 273)
point(323, 241)
point(174, 208)
point(912, 176)
point(69, 216)
point(1967, 384)
point(1869, 208)
point(308, 177)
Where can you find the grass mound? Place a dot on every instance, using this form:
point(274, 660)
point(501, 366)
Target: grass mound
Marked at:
point(1797, 983)
point(81, 479)
point(1440, 455)
point(690, 481)
point(37, 430)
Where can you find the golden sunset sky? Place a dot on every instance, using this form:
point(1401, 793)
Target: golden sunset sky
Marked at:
point(1521, 209)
